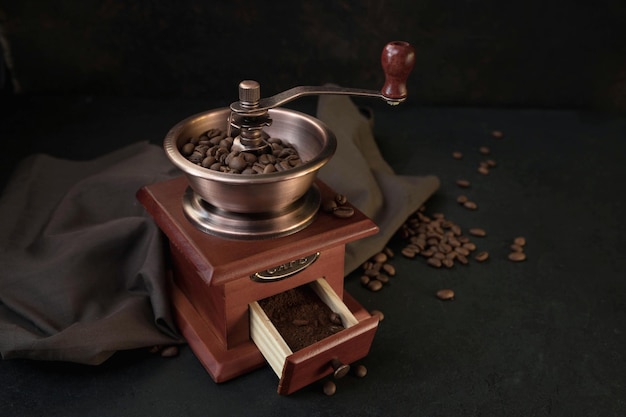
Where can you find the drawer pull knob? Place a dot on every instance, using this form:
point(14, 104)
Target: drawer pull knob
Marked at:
point(341, 369)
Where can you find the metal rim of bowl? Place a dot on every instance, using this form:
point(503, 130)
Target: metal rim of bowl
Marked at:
point(171, 148)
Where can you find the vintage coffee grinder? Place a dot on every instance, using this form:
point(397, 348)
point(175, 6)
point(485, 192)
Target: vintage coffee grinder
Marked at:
point(236, 239)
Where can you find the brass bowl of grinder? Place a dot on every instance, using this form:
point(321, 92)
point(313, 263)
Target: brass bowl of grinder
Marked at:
point(252, 206)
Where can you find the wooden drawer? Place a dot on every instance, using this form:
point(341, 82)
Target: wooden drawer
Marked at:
point(299, 369)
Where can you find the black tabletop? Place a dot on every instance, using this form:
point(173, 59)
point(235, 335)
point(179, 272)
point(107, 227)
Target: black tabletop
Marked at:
point(541, 337)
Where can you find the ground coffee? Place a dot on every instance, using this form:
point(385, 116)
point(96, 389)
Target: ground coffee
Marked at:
point(301, 317)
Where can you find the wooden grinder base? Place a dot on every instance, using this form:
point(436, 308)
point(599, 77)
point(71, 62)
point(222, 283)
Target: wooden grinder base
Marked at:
point(212, 287)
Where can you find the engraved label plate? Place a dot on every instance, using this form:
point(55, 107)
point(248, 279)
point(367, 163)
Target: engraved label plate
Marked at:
point(285, 270)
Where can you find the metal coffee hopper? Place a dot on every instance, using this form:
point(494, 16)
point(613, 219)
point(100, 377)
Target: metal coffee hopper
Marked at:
point(235, 239)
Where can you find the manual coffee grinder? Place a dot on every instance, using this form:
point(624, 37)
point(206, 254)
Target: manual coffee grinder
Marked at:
point(235, 239)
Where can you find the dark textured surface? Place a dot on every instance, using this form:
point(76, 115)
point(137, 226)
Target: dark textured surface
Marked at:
point(545, 337)
point(529, 54)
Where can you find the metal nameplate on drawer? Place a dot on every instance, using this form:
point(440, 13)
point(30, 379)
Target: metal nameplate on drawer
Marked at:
point(285, 270)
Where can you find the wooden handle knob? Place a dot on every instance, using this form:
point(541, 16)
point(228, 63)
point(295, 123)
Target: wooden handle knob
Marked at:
point(397, 59)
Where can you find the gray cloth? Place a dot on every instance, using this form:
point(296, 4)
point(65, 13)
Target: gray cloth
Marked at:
point(82, 267)
point(359, 171)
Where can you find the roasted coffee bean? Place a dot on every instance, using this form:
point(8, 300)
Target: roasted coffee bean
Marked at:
point(329, 206)
point(329, 388)
point(490, 163)
point(484, 150)
point(383, 278)
point(439, 255)
point(365, 280)
point(520, 241)
point(343, 212)
point(388, 251)
point(216, 144)
point(517, 256)
point(462, 259)
point(169, 351)
point(497, 134)
point(341, 199)
point(360, 371)
point(483, 170)
point(469, 246)
point(389, 269)
point(380, 257)
point(371, 272)
point(445, 294)
point(477, 231)
point(187, 149)
point(447, 262)
point(434, 262)
point(463, 183)
point(482, 256)
point(462, 251)
point(377, 313)
point(408, 253)
point(517, 248)
point(457, 155)
point(470, 205)
point(375, 285)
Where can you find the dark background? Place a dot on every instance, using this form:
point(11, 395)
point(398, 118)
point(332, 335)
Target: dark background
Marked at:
point(539, 54)
point(545, 337)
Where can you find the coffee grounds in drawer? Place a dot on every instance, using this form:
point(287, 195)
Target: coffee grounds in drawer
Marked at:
point(301, 317)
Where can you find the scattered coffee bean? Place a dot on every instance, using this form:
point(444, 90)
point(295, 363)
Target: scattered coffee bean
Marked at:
point(378, 313)
point(380, 257)
point(329, 388)
point(497, 134)
point(521, 241)
point(383, 278)
point(365, 280)
point(375, 285)
point(483, 170)
point(343, 212)
point(388, 252)
point(434, 262)
point(517, 256)
point(389, 269)
point(445, 294)
point(457, 155)
point(329, 205)
point(463, 183)
point(469, 246)
point(476, 231)
point(482, 256)
point(360, 371)
point(170, 351)
point(517, 248)
point(470, 205)
point(462, 199)
point(341, 199)
point(490, 163)
point(408, 253)
point(484, 150)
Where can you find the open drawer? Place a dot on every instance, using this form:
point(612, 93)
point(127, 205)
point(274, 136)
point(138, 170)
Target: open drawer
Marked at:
point(311, 363)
